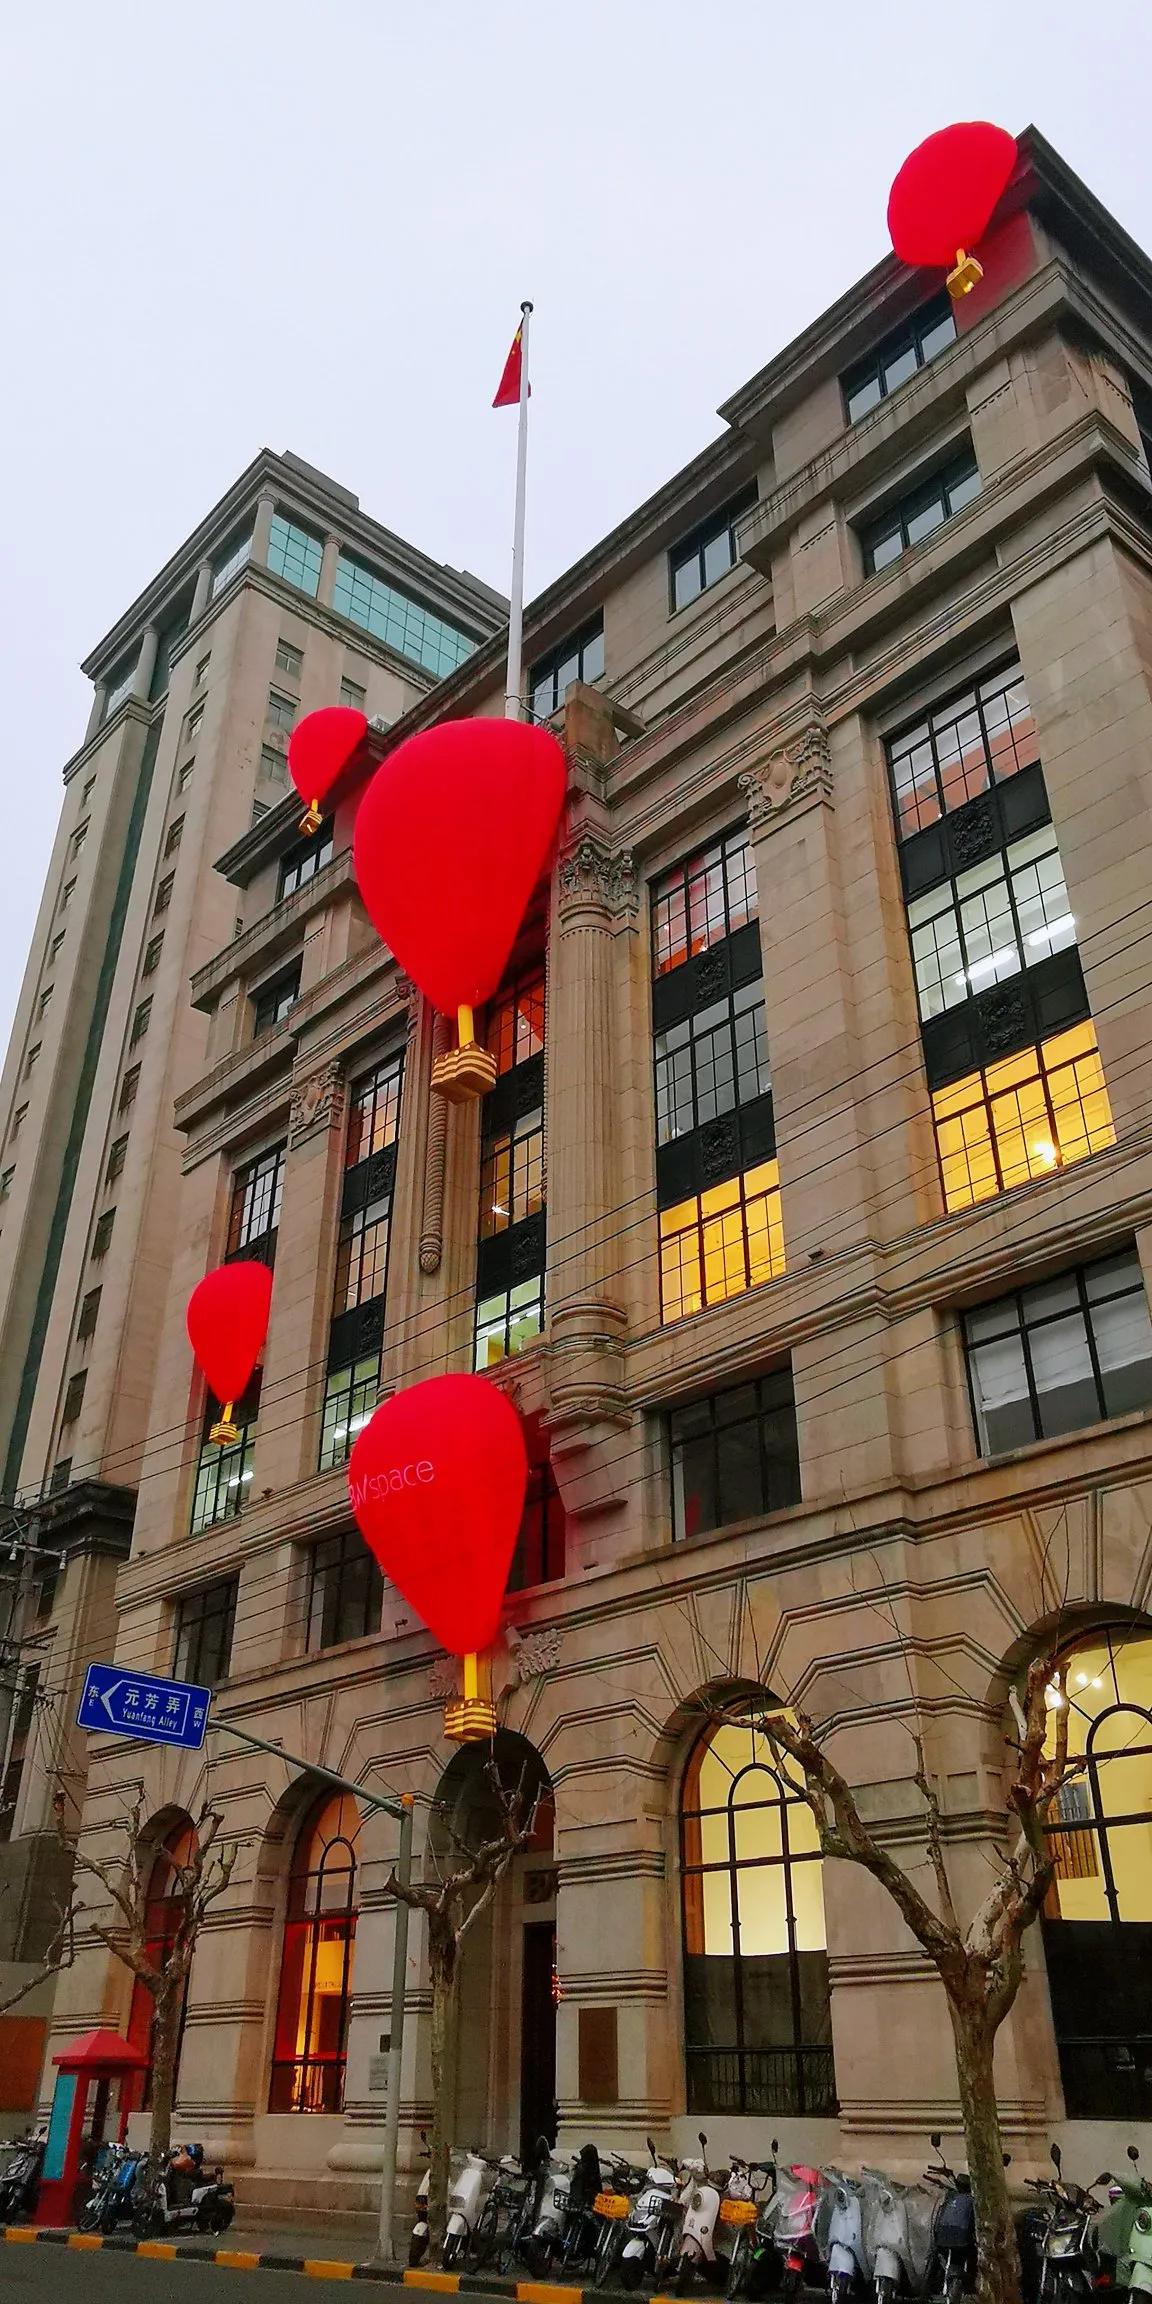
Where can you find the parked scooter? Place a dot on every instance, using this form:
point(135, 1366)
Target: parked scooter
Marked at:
point(1124, 2232)
point(470, 2180)
point(786, 2253)
point(20, 2180)
point(842, 2217)
point(1068, 2252)
point(613, 2207)
point(418, 2237)
point(898, 2222)
point(504, 2219)
point(653, 2225)
point(704, 2198)
point(180, 2197)
point(112, 2199)
point(544, 2245)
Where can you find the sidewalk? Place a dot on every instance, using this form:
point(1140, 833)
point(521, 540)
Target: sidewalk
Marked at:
point(251, 2248)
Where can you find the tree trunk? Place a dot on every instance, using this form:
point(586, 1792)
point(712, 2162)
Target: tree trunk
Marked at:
point(443, 1964)
point(165, 2039)
point(998, 2262)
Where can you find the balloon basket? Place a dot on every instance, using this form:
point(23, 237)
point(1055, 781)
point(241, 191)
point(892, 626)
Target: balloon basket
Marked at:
point(224, 1432)
point(311, 820)
point(470, 1720)
point(963, 276)
point(463, 1074)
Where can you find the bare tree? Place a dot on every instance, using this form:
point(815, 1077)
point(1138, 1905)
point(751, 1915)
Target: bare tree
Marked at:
point(191, 1887)
point(59, 1952)
point(979, 1960)
point(452, 1905)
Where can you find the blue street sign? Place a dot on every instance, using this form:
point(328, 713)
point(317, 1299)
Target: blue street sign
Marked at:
point(132, 1704)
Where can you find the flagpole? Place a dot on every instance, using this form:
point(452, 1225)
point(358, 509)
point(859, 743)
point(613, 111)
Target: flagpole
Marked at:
point(512, 706)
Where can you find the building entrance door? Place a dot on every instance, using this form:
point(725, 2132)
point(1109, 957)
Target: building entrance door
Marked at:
point(537, 2038)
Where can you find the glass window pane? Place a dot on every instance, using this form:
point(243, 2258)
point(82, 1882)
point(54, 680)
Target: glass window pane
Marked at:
point(937, 338)
point(884, 549)
point(864, 396)
point(899, 367)
point(1122, 1334)
point(927, 517)
point(1062, 1368)
point(1004, 1413)
point(686, 581)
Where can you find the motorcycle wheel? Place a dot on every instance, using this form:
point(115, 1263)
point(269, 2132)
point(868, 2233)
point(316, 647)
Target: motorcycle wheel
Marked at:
point(483, 2242)
point(147, 2219)
point(885, 2290)
point(685, 2280)
point(93, 2215)
point(417, 2249)
point(954, 2288)
point(630, 2271)
point(605, 2261)
point(791, 2282)
point(452, 2251)
point(737, 2267)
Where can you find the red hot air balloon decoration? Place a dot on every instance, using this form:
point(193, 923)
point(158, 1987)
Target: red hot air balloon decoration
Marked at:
point(437, 1480)
point(227, 1321)
point(480, 800)
point(320, 746)
point(943, 199)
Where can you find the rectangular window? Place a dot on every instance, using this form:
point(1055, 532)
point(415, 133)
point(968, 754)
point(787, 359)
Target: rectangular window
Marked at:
point(128, 1087)
point(273, 764)
point(78, 838)
point(401, 623)
point(184, 775)
point(117, 1155)
point(374, 1111)
point(31, 1060)
point(74, 1396)
point(229, 562)
point(303, 862)
point(224, 1475)
point(710, 1062)
point(6, 1182)
point(915, 516)
point(45, 1002)
point(581, 658)
point(1021, 1118)
point(362, 1255)
point(282, 709)
point(346, 1591)
point(89, 1314)
point(898, 356)
point(66, 894)
point(735, 1455)
point(55, 948)
point(24, 1699)
point(708, 553)
point(962, 748)
point(18, 1118)
point(152, 953)
point(295, 555)
point(352, 695)
point(705, 899)
point(540, 1545)
point(1066, 1353)
point(349, 1400)
point(512, 1174)
point(205, 1621)
point(289, 658)
point(990, 923)
point(201, 673)
point(271, 1004)
point(89, 788)
point(140, 1022)
point(175, 835)
point(163, 894)
point(192, 723)
point(257, 1192)
point(509, 1321)
point(61, 1475)
point(102, 1236)
point(721, 1242)
point(514, 1026)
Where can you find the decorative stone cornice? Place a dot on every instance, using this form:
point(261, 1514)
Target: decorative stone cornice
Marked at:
point(594, 878)
point(799, 770)
point(317, 1102)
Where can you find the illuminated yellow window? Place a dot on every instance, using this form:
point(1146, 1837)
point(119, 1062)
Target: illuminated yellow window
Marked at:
point(719, 1243)
point(1042, 1109)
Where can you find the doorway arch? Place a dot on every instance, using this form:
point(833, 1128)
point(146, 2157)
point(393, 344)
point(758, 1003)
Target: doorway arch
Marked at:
point(505, 2091)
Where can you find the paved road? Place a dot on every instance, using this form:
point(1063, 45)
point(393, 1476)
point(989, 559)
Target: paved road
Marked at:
point(45, 2275)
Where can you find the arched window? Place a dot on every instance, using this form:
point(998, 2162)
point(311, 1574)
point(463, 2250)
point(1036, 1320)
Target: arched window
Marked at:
point(163, 1911)
point(757, 2025)
point(316, 1964)
point(1098, 1916)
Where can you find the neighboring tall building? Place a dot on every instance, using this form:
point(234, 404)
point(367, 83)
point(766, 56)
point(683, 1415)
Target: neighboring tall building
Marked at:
point(285, 598)
point(808, 1223)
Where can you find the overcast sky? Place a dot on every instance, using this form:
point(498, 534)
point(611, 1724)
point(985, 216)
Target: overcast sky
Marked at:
point(309, 224)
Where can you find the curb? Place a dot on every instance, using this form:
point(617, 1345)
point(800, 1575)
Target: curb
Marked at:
point(313, 2267)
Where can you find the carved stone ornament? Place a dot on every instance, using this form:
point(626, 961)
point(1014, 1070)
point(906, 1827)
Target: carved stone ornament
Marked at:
point(444, 1679)
point(798, 770)
point(409, 996)
point(599, 879)
point(533, 1653)
point(317, 1102)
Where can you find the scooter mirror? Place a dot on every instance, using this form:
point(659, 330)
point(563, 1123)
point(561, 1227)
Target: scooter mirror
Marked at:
point(702, 2140)
point(651, 2147)
point(1133, 2154)
point(1055, 2157)
point(775, 2147)
point(934, 2139)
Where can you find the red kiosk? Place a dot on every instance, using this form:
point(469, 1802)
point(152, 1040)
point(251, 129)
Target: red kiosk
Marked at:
point(88, 2069)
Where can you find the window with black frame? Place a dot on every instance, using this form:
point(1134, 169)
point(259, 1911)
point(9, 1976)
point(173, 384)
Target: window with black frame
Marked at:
point(734, 1455)
point(897, 357)
point(205, 1622)
point(345, 1590)
point(224, 1475)
point(540, 1545)
point(254, 1218)
point(271, 1004)
point(1097, 1920)
point(356, 1336)
point(717, 1179)
point(915, 515)
point(301, 863)
point(757, 2010)
point(512, 1220)
point(1009, 1047)
point(580, 658)
point(1065, 1353)
point(699, 560)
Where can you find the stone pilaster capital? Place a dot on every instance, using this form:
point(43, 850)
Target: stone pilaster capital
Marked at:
point(317, 1103)
point(798, 770)
point(594, 878)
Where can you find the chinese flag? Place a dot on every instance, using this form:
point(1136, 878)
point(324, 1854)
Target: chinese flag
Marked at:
point(508, 389)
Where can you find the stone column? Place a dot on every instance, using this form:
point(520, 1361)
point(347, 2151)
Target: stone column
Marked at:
point(203, 591)
point(96, 715)
point(145, 664)
point(328, 571)
point(287, 1434)
point(614, 2033)
point(265, 508)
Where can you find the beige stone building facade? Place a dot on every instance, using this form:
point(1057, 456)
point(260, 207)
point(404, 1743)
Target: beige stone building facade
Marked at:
point(808, 1224)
